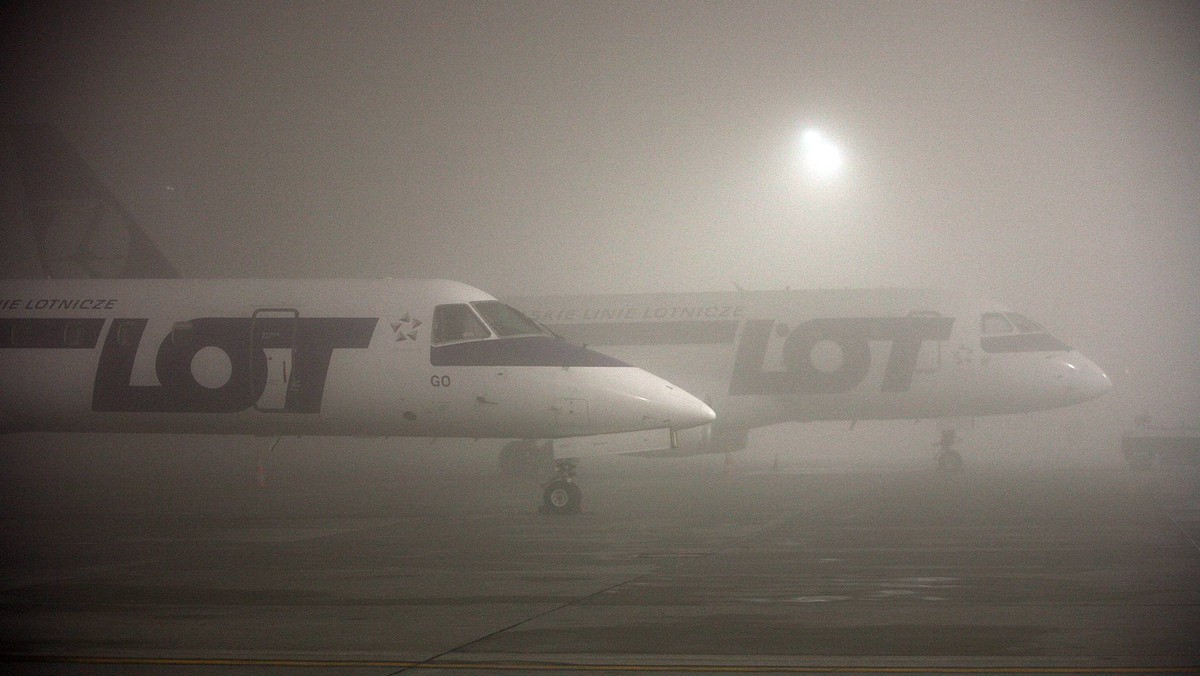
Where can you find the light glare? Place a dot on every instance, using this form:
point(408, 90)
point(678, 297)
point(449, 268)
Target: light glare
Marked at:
point(822, 158)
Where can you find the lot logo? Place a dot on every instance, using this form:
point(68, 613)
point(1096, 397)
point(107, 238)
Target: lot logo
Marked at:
point(833, 355)
point(244, 340)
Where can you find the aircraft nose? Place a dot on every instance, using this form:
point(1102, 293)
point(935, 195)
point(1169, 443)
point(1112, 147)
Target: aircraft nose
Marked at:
point(660, 404)
point(1087, 380)
point(684, 410)
point(1098, 381)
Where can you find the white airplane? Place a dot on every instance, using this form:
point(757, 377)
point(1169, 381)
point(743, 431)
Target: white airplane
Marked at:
point(762, 358)
point(403, 358)
point(429, 358)
point(759, 358)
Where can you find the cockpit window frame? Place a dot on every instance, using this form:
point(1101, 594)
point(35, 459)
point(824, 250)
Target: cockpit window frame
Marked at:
point(509, 322)
point(1023, 335)
point(990, 329)
point(1024, 324)
point(439, 335)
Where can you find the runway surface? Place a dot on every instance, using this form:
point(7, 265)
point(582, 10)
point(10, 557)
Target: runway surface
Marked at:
point(131, 562)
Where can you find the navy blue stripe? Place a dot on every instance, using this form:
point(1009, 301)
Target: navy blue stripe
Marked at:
point(519, 351)
point(51, 333)
point(1023, 342)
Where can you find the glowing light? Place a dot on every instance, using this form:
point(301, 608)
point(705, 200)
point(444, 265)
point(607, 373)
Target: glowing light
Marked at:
point(821, 156)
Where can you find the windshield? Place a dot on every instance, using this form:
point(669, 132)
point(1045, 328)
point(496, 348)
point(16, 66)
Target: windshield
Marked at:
point(456, 322)
point(1025, 324)
point(1012, 332)
point(506, 321)
point(995, 323)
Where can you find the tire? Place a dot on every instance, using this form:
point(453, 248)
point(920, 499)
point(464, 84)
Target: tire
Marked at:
point(949, 462)
point(561, 497)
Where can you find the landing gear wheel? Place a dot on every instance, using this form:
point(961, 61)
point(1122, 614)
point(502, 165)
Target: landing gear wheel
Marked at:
point(561, 497)
point(949, 462)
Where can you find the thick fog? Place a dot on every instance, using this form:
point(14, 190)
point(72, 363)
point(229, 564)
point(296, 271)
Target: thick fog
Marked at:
point(1046, 155)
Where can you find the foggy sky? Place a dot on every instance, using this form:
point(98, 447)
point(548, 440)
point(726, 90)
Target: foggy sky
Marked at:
point(1046, 155)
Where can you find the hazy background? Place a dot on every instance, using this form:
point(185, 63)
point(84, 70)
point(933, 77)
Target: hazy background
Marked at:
point(1046, 155)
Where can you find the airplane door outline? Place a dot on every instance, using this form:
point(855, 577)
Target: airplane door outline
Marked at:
point(273, 332)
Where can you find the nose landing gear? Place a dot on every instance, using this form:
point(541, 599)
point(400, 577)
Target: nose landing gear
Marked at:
point(948, 459)
point(562, 495)
point(526, 458)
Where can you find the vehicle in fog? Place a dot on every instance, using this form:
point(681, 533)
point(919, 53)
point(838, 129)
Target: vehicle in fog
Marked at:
point(761, 358)
point(405, 358)
point(1153, 447)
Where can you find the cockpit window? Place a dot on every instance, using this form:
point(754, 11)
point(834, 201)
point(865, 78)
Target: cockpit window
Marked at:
point(1025, 324)
point(457, 322)
point(1012, 332)
point(506, 321)
point(995, 323)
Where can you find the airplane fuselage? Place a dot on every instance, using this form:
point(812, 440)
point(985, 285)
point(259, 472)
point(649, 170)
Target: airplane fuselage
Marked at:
point(332, 357)
point(765, 357)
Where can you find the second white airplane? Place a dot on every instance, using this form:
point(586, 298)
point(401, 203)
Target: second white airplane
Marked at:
point(761, 358)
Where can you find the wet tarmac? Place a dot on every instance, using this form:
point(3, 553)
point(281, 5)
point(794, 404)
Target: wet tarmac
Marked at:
point(116, 562)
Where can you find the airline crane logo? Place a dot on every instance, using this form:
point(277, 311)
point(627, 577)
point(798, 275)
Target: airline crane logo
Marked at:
point(406, 327)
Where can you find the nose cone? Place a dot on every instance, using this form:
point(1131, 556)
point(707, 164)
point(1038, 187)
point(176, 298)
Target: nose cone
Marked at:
point(632, 399)
point(1094, 381)
point(1085, 380)
point(681, 410)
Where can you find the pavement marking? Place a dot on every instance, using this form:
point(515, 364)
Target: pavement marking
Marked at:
point(1186, 534)
point(568, 666)
point(1168, 510)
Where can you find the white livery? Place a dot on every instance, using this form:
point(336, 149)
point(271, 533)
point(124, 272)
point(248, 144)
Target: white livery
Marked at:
point(132, 348)
point(765, 357)
point(310, 357)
